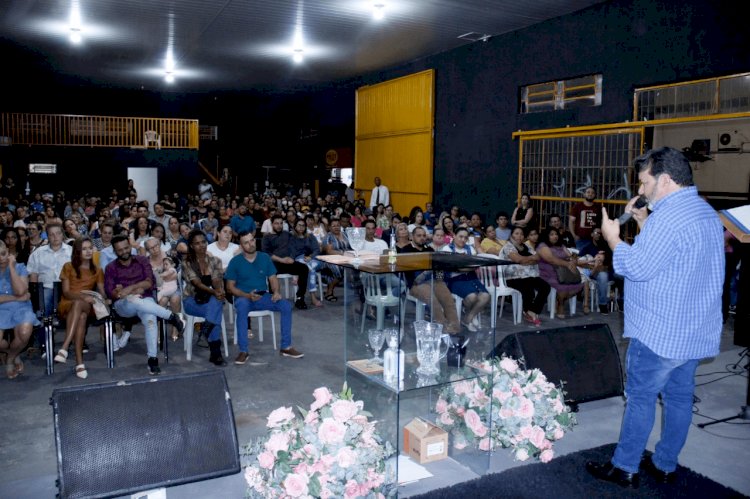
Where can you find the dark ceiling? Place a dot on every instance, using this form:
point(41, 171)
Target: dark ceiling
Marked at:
point(245, 44)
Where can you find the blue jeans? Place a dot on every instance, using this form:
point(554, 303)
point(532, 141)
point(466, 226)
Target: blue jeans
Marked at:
point(649, 375)
point(212, 311)
point(147, 310)
point(602, 284)
point(244, 306)
point(585, 246)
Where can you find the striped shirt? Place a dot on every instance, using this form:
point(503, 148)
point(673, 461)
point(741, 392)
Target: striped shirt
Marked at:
point(674, 273)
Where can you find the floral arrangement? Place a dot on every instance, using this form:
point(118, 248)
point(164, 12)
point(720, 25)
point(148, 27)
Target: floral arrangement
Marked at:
point(332, 450)
point(526, 411)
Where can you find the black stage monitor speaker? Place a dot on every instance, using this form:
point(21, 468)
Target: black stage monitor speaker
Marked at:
point(584, 357)
point(122, 437)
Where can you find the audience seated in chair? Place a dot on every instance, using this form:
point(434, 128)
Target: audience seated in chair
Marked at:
point(305, 248)
point(203, 295)
point(524, 275)
point(129, 283)
point(279, 246)
point(553, 254)
point(466, 285)
point(248, 277)
point(17, 317)
point(78, 275)
point(429, 286)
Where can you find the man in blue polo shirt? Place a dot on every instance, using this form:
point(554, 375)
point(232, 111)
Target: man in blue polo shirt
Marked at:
point(674, 274)
point(248, 276)
point(242, 221)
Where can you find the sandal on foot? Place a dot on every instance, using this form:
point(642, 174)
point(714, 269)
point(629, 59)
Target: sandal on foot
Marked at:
point(81, 371)
point(18, 364)
point(11, 371)
point(331, 298)
point(61, 357)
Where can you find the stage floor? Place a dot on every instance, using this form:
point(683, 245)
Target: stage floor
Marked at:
point(27, 446)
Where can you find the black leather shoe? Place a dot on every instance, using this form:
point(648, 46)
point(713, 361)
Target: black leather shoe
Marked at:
point(610, 473)
point(300, 304)
point(660, 476)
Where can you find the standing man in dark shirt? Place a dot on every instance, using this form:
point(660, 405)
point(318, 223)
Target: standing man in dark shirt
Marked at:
point(278, 245)
point(584, 216)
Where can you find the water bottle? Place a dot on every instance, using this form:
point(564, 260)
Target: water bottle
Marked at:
point(393, 363)
point(392, 249)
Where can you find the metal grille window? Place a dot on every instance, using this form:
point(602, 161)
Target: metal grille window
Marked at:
point(730, 94)
point(556, 171)
point(564, 94)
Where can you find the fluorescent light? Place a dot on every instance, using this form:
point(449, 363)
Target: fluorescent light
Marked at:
point(298, 56)
point(378, 11)
point(169, 77)
point(75, 23)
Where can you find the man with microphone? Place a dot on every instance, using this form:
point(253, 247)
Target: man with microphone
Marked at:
point(673, 284)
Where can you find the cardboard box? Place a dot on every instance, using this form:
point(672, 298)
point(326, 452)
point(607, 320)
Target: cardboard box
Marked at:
point(424, 442)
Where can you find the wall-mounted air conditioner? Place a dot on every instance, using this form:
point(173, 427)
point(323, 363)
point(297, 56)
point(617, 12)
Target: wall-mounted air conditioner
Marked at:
point(730, 141)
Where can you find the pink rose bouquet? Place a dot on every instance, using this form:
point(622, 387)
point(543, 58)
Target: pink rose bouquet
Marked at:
point(509, 407)
point(331, 450)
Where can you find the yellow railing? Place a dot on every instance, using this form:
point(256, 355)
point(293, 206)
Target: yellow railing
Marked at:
point(98, 131)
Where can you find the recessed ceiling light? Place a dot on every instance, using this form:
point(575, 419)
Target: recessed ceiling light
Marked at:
point(378, 11)
point(298, 56)
point(75, 36)
point(169, 77)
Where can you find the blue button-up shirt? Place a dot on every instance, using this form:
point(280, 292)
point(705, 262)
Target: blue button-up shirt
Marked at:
point(674, 273)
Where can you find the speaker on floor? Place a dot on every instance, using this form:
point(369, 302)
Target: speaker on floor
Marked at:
point(585, 358)
point(122, 437)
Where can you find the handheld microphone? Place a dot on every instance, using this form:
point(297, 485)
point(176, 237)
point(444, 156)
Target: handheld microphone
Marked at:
point(639, 203)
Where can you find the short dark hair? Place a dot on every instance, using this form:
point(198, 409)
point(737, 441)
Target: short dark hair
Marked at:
point(277, 217)
point(243, 233)
point(502, 214)
point(666, 160)
point(368, 221)
point(118, 239)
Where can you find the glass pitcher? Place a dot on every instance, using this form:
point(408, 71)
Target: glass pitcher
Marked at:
point(429, 352)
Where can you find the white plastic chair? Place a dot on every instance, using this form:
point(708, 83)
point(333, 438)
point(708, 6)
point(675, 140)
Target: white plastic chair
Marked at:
point(286, 280)
point(552, 303)
point(376, 297)
point(151, 136)
point(419, 305)
point(260, 314)
point(499, 292)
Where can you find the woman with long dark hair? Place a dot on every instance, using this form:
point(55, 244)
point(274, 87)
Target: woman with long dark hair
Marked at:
point(203, 292)
point(15, 311)
point(78, 275)
point(12, 240)
point(554, 254)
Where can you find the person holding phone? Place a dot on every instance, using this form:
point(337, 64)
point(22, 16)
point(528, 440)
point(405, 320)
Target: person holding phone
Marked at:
point(248, 277)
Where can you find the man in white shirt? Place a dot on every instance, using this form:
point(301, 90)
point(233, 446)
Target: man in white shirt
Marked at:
point(380, 195)
point(373, 244)
point(46, 262)
point(159, 215)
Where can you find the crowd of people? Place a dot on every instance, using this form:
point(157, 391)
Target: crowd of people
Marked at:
point(89, 245)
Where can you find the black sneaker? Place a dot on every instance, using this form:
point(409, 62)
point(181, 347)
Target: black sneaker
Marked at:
point(604, 309)
point(153, 366)
point(85, 347)
point(300, 304)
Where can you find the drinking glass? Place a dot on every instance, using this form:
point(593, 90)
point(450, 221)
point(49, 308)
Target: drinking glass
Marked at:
point(356, 237)
point(376, 337)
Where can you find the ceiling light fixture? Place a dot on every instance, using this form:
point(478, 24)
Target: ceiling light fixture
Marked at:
point(378, 11)
point(298, 56)
point(169, 66)
point(74, 22)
